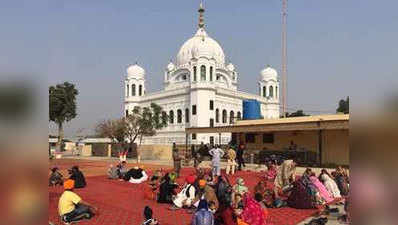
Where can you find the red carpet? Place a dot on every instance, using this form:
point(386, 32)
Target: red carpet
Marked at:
point(122, 203)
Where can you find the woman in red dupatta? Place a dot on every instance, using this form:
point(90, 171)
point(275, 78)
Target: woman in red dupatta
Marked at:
point(253, 214)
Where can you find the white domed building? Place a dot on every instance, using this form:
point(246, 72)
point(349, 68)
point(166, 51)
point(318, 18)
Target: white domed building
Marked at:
point(200, 90)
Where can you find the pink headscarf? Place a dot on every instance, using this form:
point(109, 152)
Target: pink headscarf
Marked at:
point(253, 214)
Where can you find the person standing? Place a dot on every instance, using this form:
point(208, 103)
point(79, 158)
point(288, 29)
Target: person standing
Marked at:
point(231, 156)
point(239, 155)
point(176, 160)
point(216, 154)
point(195, 156)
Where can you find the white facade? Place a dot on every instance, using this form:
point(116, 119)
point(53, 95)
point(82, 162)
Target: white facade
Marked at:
point(199, 78)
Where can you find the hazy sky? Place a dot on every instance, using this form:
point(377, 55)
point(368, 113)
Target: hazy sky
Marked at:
point(335, 48)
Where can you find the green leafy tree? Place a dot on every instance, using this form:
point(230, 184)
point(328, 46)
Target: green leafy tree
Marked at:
point(344, 106)
point(140, 123)
point(62, 106)
point(145, 122)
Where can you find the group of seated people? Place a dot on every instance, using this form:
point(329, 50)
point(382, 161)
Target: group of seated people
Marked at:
point(210, 201)
point(214, 200)
point(135, 175)
point(56, 177)
point(309, 191)
point(226, 204)
point(71, 207)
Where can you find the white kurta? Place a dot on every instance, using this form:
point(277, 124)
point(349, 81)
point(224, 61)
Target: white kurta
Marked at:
point(140, 180)
point(331, 186)
point(182, 196)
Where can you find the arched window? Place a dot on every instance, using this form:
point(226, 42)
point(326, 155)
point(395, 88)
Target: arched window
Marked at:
point(171, 117)
point(140, 90)
point(179, 116)
point(203, 72)
point(164, 117)
point(128, 90)
point(276, 92)
point(239, 116)
point(133, 90)
point(271, 91)
point(211, 73)
point(217, 115)
point(186, 115)
point(224, 116)
point(194, 73)
point(264, 91)
point(231, 117)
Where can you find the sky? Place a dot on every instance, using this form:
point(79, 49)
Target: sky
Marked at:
point(336, 48)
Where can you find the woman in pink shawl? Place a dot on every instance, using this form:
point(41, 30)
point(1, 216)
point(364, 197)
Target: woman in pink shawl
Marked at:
point(253, 214)
point(323, 192)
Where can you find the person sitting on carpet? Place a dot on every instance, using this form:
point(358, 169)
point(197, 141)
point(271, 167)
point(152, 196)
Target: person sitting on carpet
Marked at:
point(122, 169)
point(113, 172)
point(167, 188)
point(260, 188)
point(239, 187)
point(303, 194)
point(227, 216)
point(323, 192)
point(78, 177)
point(252, 213)
point(155, 179)
point(56, 177)
point(329, 183)
point(206, 192)
point(342, 180)
point(271, 172)
point(71, 207)
point(187, 194)
point(202, 215)
point(148, 215)
point(224, 191)
point(137, 175)
point(260, 199)
point(285, 176)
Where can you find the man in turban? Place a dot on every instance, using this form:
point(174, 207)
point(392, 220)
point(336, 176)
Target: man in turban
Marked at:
point(71, 207)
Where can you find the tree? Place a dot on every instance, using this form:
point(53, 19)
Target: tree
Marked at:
point(298, 113)
point(144, 122)
point(62, 106)
point(344, 106)
point(140, 123)
point(112, 129)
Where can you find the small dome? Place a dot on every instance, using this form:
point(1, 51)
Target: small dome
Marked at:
point(231, 67)
point(171, 67)
point(269, 73)
point(135, 71)
point(200, 45)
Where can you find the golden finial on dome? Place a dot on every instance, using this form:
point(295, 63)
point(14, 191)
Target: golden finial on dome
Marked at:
point(201, 17)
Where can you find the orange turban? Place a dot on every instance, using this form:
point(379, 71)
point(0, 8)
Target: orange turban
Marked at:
point(69, 184)
point(202, 183)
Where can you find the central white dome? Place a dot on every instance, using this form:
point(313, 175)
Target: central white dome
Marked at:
point(200, 45)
